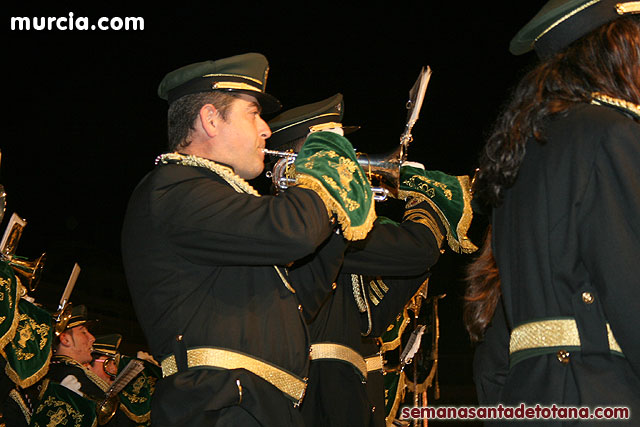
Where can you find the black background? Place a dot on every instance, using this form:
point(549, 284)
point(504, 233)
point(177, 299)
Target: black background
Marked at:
point(83, 123)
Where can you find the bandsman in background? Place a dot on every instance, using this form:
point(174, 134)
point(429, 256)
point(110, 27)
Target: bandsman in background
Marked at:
point(26, 330)
point(554, 295)
point(379, 274)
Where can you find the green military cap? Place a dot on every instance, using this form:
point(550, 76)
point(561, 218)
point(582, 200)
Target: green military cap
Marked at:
point(78, 317)
point(246, 73)
point(107, 344)
point(298, 122)
point(561, 22)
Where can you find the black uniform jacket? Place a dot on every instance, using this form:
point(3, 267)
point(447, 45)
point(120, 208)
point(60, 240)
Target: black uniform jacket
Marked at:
point(403, 253)
point(570, 225)
point(199, 259)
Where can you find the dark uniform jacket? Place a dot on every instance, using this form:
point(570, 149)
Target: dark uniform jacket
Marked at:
point(403, 253)
point(571, 225)
point(199, 258)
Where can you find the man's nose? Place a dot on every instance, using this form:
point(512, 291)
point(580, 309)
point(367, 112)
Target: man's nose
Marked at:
point(264, 129)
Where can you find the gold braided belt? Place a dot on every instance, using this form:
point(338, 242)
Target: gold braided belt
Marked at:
point(343, 353)
point(546, 336)
point(220, 358)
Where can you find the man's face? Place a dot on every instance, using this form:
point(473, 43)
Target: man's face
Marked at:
point(103, 366)
point(79, 344)
point(241, 138)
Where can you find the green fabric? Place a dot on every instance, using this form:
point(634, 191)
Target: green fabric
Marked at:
point(135, 398)
point(8, 307)
point(449, 195)
point(29, 351)
point(328, 165)
point(384, 220)
point(61, 406)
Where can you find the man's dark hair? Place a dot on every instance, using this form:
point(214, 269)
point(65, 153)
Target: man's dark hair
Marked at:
point(184, 111)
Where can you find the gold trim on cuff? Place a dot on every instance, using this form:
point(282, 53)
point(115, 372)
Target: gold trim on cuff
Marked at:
point(219, 358)
point(551, 333)
point(327, 350)
point(424, 217)
point(350, 231)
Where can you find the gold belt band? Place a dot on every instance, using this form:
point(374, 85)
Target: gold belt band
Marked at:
point(326, 350)
point(374, 363)
point(208, 357)
point(551, 333)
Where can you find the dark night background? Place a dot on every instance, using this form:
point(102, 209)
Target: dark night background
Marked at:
point(83, 123)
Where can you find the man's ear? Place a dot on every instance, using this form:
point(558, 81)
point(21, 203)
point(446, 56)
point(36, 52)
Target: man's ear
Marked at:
point(208, 118)
point(65, 339)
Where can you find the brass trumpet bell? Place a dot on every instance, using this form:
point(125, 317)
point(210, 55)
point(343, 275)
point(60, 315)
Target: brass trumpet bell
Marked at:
point(107, 409)
point(61, 319)
point(28, 271)
point(383, 172)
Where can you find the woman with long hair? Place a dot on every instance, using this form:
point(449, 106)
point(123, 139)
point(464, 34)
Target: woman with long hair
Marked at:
point(554, 295)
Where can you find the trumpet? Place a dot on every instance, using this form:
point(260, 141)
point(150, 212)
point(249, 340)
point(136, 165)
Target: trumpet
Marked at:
point(29, 271)
point(383, 171)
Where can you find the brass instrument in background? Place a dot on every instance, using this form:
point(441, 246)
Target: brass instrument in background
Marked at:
point(28, 271)
point(62, 316)
point(383, 171)
point(107, 407)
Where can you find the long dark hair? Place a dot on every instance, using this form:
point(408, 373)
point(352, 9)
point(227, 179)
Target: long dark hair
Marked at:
point(606, 60)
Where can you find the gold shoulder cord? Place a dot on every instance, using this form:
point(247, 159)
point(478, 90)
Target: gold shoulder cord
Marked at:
point(602, 99)
point(359, 293)
point(226, 173)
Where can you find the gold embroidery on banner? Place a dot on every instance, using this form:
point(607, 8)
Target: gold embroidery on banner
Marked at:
point(25, 332)
point(59, 415)
point(427, 185)
point(6, 284)
point(351, 205)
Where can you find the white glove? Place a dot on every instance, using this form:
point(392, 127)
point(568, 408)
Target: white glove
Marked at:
point(72, 383)
point(413, 164)
point(143, 355)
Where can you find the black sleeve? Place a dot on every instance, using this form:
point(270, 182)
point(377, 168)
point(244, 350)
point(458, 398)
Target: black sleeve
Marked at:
point(208, 222)
point(387, 297)
point(409, 248)
point(491, 360)
point(313, 276)
point(610, 233)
